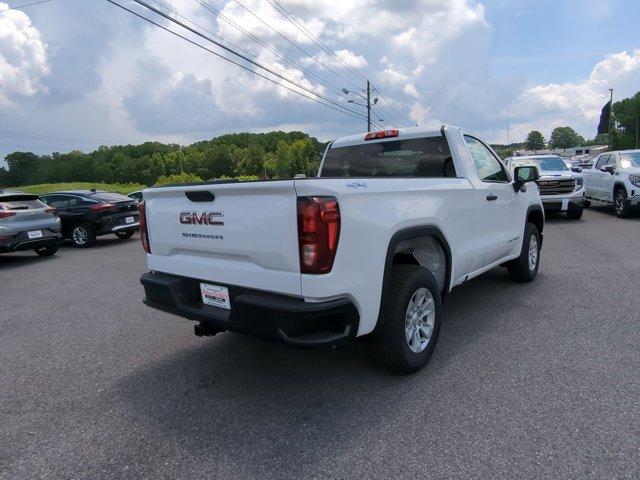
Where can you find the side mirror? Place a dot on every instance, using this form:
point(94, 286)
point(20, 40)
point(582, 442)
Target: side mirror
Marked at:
point(576, 169)
point(607, 168)
point(524, 174)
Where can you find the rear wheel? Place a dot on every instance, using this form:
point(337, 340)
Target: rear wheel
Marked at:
point(46, 251)
point(620, 203)
point(525, 267)
point(82, 236)
point(408, 333)
point(125, 235)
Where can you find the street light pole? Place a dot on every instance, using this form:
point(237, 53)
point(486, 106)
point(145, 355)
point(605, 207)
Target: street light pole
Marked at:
point(610, 116)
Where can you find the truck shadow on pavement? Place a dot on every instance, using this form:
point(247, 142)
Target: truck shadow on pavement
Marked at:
point(263, 406)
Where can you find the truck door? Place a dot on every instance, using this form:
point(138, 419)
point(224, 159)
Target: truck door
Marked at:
point(499, 208)
point(608, 178)
point(599, 177)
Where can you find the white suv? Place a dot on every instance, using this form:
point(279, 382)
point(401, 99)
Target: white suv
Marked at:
point(614, 179)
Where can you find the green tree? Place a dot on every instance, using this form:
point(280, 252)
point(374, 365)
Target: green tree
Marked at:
point(565, 137)
point(626, 114)
point(535, 140)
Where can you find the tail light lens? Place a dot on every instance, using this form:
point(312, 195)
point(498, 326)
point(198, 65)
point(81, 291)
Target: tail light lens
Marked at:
point(144, 234)
point(51, 210)
point(318, 233)
point(101, 207)
point(4, 213)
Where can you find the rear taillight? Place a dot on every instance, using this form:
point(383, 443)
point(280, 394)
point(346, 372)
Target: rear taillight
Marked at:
point(318, 233)
point(7, 213)
point(144, 234)
point(51, 210)
point(101, 207)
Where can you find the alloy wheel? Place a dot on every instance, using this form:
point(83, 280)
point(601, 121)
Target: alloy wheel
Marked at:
point(80, 235)
point(533, 253)
point(419, 320)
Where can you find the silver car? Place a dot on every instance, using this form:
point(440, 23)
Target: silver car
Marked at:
point(26, 223)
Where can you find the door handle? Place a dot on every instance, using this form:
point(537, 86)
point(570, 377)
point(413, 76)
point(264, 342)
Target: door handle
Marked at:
point(491, 197)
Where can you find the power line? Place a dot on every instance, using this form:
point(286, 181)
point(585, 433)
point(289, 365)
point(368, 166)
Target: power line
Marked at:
point(53, 138)
point(268, 47)
point(297, 47)
point(401, 116)
point(291, 18)
point(243, 57)
point(283, 11)
point(347, 112)
point(20, 7)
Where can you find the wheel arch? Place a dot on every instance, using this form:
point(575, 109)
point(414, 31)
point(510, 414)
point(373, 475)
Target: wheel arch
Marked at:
point(402, 237)
point(535, 215)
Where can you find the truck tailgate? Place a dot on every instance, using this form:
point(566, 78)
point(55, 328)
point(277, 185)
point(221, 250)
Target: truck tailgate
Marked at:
point(246, 236)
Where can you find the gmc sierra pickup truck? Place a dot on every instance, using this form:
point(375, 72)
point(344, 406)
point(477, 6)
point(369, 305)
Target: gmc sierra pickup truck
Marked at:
point(394, 220)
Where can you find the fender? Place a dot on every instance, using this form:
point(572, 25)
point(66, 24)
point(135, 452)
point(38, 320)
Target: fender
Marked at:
point(536, 208)
point(408, 234)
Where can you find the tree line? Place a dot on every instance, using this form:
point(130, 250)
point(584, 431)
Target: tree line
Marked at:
point(244, 155)
point(625, 131)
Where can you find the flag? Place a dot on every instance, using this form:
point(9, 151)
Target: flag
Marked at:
point(603, 126)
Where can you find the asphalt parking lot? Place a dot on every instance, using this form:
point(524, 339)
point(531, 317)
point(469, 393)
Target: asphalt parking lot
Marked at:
point(537, 380)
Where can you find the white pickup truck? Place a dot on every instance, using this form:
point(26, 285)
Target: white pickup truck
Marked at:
point(614, 178)
point(394, 220)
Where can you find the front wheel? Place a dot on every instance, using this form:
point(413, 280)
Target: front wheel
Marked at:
point(46, 251)
point(575, 213)
point(525, 267)
point(408, 333)
point(82, 236)
point(621, 204)
point(125, 235)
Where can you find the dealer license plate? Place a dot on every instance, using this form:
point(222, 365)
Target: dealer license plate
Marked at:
point(215, 295)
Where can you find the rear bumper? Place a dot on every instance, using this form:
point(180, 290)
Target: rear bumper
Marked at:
point(288, 319)
point(21, 245)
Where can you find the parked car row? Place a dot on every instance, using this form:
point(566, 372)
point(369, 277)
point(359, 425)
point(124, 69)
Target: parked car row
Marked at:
point(29, 222)
point(611, 178)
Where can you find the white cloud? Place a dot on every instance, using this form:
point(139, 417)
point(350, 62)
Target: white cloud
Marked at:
point(579, 104)
point(23, 56)
point(345, 57)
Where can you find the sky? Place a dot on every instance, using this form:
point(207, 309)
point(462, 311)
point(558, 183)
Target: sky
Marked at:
point(75, 74)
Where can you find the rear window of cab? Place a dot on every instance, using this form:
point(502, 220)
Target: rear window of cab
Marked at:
point(427, 157)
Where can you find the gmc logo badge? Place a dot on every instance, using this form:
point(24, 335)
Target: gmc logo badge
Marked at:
point(204, 218)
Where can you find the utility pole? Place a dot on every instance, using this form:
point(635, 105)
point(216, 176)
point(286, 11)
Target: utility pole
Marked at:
point(368, 103)
point(610, 116)
point(368, 106)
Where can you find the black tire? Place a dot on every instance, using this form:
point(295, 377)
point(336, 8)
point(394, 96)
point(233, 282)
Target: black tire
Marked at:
point(390, 336)
point(620, 203)
point(46, 251)
point(520, 269)
point(126, 234)
point(82, 236)
point(575, 213)
point(587, 203)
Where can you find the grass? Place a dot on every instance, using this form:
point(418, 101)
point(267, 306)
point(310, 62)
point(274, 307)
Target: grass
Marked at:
point(123, 188)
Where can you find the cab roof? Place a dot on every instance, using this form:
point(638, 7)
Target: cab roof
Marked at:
point(405, 132)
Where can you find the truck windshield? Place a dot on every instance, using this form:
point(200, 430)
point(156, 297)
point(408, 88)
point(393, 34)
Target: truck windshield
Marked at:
point(543, 163)
point(415, 157)
point(628, 160)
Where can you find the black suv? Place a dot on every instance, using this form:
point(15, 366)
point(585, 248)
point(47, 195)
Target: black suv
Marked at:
point(86, 214)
